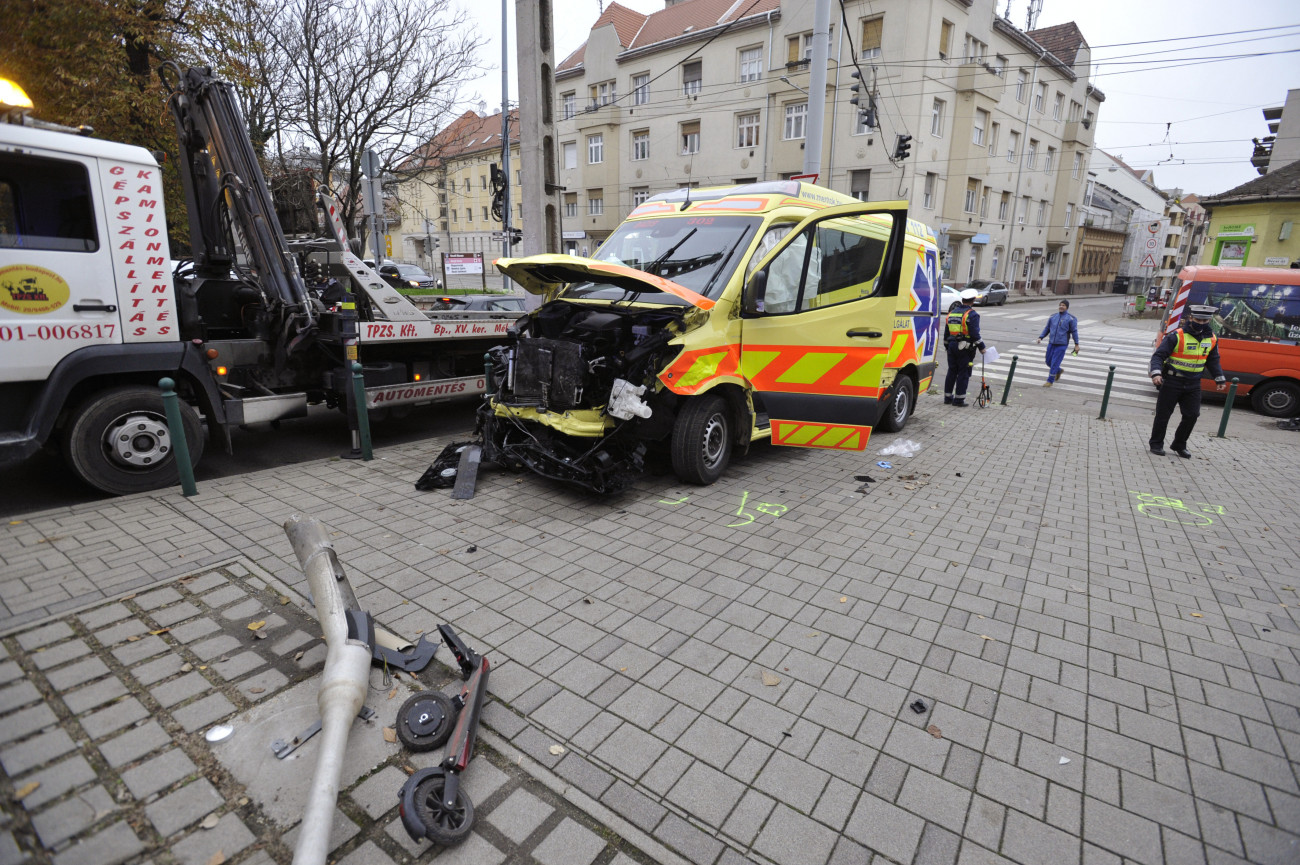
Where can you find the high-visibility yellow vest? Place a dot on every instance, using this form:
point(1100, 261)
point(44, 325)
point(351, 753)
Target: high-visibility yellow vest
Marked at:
point(1189, 354)
point(957, 324)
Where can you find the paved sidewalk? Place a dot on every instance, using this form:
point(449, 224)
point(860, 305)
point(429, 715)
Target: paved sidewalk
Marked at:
point(1103, 645)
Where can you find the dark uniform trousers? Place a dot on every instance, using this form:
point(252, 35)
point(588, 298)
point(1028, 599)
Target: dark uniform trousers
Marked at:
point(961, 363)
point(1185, 393)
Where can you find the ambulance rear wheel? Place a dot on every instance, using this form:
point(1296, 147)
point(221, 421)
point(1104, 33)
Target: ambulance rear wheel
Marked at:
point(117, 441)
point(701, 446)
point(1276, 399)
point(899, 408)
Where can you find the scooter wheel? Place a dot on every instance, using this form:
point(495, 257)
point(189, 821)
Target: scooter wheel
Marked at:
point(443, 825)
point(425, 720)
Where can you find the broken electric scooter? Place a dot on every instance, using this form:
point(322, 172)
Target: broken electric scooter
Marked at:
point(433, 805)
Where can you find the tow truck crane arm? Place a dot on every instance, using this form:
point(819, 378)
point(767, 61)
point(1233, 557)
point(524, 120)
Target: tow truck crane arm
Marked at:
point(226, 191)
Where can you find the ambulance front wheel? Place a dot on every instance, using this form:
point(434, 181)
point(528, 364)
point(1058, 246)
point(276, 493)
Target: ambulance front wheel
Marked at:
point(899, 408)
point(701, 445)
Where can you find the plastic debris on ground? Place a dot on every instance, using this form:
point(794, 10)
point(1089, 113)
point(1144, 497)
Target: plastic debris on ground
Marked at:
point(904, 448)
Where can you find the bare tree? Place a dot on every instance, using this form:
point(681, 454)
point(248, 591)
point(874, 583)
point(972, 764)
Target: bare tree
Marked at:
point(365, 74)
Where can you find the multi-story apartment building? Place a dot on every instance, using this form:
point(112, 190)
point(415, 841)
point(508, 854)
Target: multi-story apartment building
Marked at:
point(444, 192)
point(708, 92)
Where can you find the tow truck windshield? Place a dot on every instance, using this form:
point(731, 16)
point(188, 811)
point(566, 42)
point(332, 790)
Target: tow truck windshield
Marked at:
point(697, 252)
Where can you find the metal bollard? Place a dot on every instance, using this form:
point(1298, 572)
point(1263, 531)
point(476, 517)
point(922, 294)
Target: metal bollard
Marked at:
point(1227, 406)
point(1011, 373)
point(1105, 397)
point(180, 448)
point(363, 415)
point(487, 374)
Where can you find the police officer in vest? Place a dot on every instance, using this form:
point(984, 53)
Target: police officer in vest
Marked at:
point(962, 340)
point(1176, 369)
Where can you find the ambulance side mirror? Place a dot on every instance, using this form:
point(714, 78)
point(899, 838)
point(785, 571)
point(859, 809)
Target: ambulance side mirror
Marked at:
point(755, 292)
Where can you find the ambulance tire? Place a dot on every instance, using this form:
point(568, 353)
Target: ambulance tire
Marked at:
point(902, 399)
point(702, 439)
point(98, 449)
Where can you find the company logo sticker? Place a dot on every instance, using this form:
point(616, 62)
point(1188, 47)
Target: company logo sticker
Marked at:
point(32, 290)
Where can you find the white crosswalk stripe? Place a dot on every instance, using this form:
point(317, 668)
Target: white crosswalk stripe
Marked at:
point(1085, 373)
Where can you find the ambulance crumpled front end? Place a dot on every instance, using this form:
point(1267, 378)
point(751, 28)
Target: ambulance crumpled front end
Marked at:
point(574, 393)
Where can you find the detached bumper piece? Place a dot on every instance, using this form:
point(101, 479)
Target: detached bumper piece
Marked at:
point(601, 465)
point(433, 806)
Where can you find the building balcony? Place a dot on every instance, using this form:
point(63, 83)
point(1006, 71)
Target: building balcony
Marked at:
point(1082, 131)
point(979, 77)
point(593, 114)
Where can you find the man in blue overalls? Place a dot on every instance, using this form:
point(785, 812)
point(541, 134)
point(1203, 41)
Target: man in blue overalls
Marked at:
point(1060, 327)
point(963, 338)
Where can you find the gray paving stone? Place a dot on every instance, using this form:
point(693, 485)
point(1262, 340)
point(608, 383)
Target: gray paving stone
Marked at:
point(58, 779)
point(195, 630)
point(519, 815)
point(60, 822)
point(157, 773)
point(935, 799)
point(569, 843)
point(691, 842)
point(229, 837)
point(263, 684)
point(938, 846)
point(215, 647)
point(35, 751)
point(24, 722)
point(97, 694)
point(174, 614)
point(642, 811)
point(377, 795)
point(44, 635)
point(109, 637)
point(105, 615)
point(367, 854)
point(790, 838)
point(17, 695)
point(224, 595)
point(109, 846)
point(1034, 842)
point(53, 656)
point(158, 598)
point(170, 693)
point(706, 794)
point(146, 647)
point(885, 828)
point(157, 669)
point(584, 775)
point(134, 744)
point(1126, 834)
point(113, 718)
point(199, 714)
point(342, 830)
point(631, 750)
point(9, 852)
point(189, 804)
point(76, 674)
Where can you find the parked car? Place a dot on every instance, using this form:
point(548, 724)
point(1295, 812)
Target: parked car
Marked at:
point(990, 293)
point(949, 296)
point(481, 302)
point(407, 276)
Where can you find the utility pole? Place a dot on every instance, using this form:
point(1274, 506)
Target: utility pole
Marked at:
point(505, 139)
point(373, 194)
point(821, 39)
point(538, 145)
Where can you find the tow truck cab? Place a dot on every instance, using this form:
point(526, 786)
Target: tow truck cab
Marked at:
point(713, 318)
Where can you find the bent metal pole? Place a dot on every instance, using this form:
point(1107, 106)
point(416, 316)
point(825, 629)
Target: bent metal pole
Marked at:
point(343, 683)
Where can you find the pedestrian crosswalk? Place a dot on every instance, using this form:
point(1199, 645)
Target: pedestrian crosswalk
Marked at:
point(1101, 346)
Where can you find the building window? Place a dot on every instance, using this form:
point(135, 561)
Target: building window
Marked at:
point(1004, 206)
point(796, 116)
point(984, 203)
point(483, 180)
point(595, 202)
point(972, 195)
point(569, 104)
point(570, 154)
point(640, 145)
point(1022, 82)
point(999, 67)
point(751, 64)
point(639, 195)
point(872, 31)
point(595, 149)
point(1040, 98)
point(1075, 110)
point(485, 213)
point(1078, 162)
point(1023, 212)
point(641, 88)
point(570, 204)
point(1069, 216)
point(603, 93)
point(928, 201)
point(467, 184)
point(1042, 212)
point(1087, 120)
point(936, 118)
point(974, 49)
point(994, 129)
point(1013, 145)
point(974, 263)
point(1031, 155)
point(469, 214)
point(747, 130)
point(1058, 105)
point(945, 40)
point(799, 48)
point(455, 215)
point(692, 77)
point(519, 177)
point(860, 184)
point(997, 254)
point(691, 137)
point(1050, 160)
point(980, 125)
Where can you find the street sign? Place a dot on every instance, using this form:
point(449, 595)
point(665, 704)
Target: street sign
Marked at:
point(370, 163)
point(1149, 261)
point(806, 178)
point(516, 234)
point(1154, 227)
point(456, 264)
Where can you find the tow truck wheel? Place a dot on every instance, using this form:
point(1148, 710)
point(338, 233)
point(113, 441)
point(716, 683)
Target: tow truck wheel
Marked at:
point(425, 720)
point(899, 407)
point(117, 441)
point(443, 825)
point(1276, 399)
point(701, 446)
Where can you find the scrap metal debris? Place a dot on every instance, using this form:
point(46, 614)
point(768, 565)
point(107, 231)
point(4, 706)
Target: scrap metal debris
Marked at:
point(918, 706)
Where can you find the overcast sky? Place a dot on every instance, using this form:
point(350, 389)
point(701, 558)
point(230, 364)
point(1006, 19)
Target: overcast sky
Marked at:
point(1212, 107)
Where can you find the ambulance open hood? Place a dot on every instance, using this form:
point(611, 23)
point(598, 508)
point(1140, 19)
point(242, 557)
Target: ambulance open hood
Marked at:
point(544, 274)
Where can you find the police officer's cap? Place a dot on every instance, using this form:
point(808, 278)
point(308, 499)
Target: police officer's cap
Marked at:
point(1203, 311)
point(969, 294)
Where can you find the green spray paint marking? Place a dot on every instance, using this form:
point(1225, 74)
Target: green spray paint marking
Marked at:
point(1175, 510)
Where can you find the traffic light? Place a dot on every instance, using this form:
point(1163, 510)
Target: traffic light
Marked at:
point(498, 182)
point(856, 87)
point(903, 147)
